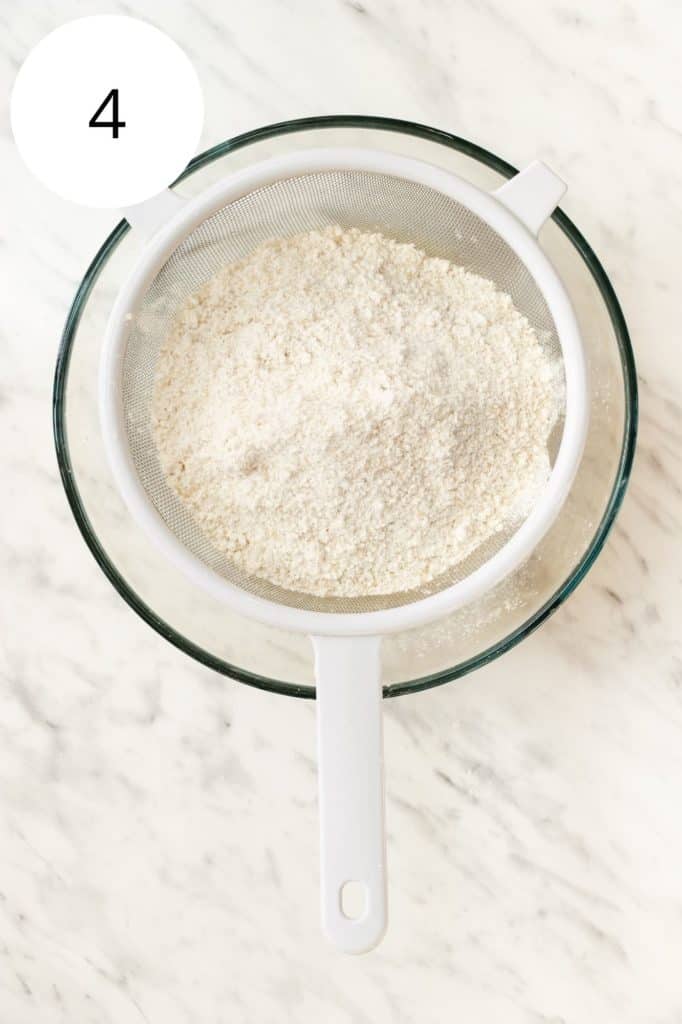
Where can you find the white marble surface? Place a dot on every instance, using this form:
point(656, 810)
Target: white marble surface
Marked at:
point(158, 845)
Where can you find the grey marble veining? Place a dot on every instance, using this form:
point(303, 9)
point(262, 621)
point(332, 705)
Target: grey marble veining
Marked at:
point(158, 834)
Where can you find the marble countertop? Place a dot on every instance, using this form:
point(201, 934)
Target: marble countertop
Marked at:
point(158, 834)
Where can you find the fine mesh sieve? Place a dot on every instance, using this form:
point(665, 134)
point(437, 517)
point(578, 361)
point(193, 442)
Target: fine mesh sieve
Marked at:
point(404, 210)
point(188, 242)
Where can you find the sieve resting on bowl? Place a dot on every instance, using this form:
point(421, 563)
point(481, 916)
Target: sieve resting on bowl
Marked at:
point(187, 243)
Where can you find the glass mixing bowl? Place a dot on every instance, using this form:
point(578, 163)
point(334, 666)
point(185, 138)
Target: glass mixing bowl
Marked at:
point(252, 653)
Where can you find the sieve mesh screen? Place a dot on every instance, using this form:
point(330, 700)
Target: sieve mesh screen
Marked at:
point(398, 208)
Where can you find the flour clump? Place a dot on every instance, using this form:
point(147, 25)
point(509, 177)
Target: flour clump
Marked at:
point(346, 416)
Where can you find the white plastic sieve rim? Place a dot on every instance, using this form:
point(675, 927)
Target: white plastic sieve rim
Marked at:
point(489, 209)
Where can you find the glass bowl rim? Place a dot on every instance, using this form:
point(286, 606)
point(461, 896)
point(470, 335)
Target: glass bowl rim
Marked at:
point(560, 595)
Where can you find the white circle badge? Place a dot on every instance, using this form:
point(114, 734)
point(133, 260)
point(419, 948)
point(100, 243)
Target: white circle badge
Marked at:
point(107, 111)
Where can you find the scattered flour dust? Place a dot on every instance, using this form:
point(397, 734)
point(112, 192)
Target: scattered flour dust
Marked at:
point(345, 416)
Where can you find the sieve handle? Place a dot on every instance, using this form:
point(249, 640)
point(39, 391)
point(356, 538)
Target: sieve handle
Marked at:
point(351, 790)
point(146, 218)
point(532, 195)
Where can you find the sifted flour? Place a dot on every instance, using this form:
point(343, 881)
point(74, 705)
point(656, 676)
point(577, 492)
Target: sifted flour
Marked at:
point(346, 416)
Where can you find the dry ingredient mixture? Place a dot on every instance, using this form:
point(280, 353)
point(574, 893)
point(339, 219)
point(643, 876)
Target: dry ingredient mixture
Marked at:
point(346, 416)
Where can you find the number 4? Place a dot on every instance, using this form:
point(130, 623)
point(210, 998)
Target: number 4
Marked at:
point(114, 124)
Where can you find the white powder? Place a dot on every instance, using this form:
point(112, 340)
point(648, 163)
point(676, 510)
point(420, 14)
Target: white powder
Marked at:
point(345, 416)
